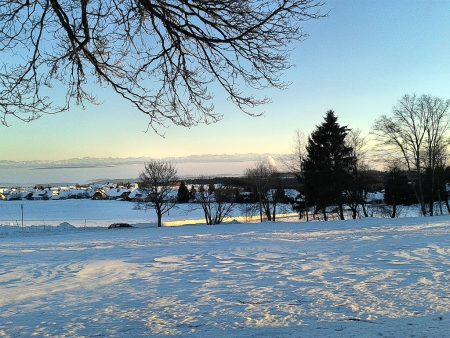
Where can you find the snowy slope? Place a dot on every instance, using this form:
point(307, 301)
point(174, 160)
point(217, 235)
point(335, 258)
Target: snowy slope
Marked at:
point(366, 278)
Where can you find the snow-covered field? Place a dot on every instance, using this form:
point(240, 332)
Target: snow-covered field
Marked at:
point(87, 212)
point(366, 278)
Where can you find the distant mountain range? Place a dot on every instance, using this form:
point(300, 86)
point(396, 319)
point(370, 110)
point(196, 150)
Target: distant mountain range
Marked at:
point(93, 162)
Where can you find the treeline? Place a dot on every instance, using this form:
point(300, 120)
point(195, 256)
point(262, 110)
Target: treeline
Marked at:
point(412, 143)
point(332, 170)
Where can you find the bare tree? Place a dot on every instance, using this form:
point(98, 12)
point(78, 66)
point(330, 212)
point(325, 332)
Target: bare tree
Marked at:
point(161, 56)
point(440, 178)
point(294, 162)
point(417, 131)
point(259, 177)
point(403, 132)
point(158, 179)
point(217, 204)
point(357, 189)
point(436, 142)
point(274, 200)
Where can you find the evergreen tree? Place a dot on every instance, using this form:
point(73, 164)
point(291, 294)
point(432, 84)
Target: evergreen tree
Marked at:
point(183, 195)
point(328, 165)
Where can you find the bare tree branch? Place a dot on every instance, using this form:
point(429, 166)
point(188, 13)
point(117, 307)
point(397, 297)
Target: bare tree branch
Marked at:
point(417, 130)
point(162, 56)
point(157, 180)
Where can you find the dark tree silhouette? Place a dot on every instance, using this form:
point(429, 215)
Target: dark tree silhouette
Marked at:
point(359, 182)
point(161, 56)
point(397, 190)
point(328, 164)
point(183, 195)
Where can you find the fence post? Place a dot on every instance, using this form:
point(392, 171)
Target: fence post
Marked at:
point(21, 207)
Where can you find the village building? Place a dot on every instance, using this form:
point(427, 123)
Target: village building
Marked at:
point(118, 194)
point(100, 194)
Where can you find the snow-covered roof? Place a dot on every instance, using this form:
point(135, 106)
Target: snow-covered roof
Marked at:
point(40, 193)
point(77, 191)
point(137, 193)
point(117, 192)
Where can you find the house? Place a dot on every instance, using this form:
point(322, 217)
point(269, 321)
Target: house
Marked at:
point(15, 195)
point(109, 186)
point(137, 195)
point(60, 195)
point(39, 195)
point(118, 194)
point(100, 194)
point(78, 193)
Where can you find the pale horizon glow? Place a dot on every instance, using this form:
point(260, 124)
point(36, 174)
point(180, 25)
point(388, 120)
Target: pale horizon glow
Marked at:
point(358, 61)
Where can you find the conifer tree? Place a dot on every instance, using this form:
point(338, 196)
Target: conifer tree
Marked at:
point(183, 195)
point(328, 165)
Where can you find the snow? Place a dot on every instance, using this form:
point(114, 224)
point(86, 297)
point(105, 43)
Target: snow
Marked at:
point(377, 196)
point(92, 213)
point(85, 212)
point(114, 193)
point(364, 278)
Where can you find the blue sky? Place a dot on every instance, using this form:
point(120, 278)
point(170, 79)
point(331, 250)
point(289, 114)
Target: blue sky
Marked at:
point(358, 61)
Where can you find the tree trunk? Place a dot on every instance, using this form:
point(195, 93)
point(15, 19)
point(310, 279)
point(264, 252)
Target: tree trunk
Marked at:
point(324, 213)
point(159, 219)
point(363, 205)
point(268, 215)
point(420, 192)
point(306, 210)
point(205, 212)
point(260, 208)
point(341, 212)
point(432, 194)
point(439, 196)
point(394, 210)
point(266, 205)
